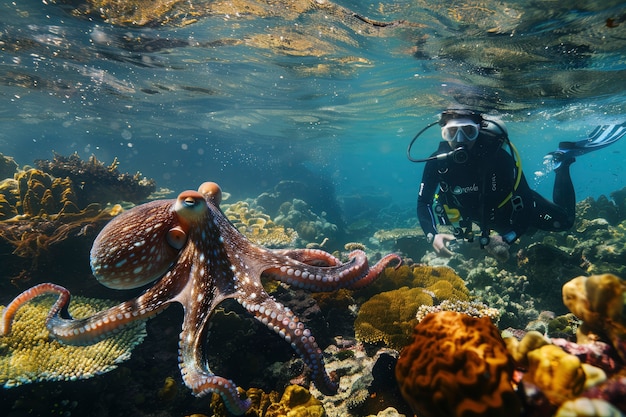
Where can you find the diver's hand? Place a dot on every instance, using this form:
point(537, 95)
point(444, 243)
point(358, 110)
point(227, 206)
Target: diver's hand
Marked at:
point(440, 242)
point(498, 248)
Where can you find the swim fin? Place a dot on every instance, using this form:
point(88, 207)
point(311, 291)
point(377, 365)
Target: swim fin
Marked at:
point(601, 137)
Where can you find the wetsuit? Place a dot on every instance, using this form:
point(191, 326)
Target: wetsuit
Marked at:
point(477, 187)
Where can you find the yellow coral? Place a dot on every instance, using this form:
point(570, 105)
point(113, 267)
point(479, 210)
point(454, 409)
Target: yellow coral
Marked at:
point(169, 389)
point(389, 316)
point(431, 278)
point(559, 375)
point(296, 401)
point(599, 301)
point(258, 226)
point(519, 349)
point(28, 355)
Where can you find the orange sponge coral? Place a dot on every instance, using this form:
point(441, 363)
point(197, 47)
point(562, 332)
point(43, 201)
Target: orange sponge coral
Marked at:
point(457, 366)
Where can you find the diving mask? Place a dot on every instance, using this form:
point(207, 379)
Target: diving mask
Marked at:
point(460, 130)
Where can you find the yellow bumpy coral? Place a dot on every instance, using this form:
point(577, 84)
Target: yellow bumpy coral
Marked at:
point(390, 316)
point(29, 355)
point(296, 401)
point(599, 301)
point(258, 226)
point(441, 280)
point(559, 375)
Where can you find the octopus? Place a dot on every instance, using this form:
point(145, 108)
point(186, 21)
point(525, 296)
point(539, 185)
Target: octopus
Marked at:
point(197, 258)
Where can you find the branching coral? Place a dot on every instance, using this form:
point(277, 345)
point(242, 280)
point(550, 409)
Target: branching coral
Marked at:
point(455, 366)
point(471, 308)
point(96, 182)
point(27, 354)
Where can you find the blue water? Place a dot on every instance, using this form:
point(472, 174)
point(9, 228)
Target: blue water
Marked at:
point(182, 106)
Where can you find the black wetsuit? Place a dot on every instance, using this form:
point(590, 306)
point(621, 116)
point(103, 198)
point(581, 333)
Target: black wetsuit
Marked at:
point(477, 187)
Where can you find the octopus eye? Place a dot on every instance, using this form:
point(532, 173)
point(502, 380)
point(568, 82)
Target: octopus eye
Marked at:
point(190, 206)
point(176, 237)
point(190, 202)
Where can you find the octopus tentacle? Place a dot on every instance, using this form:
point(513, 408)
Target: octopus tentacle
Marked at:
point(196, 372)
point(313, 257)
point(42, 289)
point(285, 323)
point(316, 278)
point(375, 271)
point(85, 331)
point(107, 322)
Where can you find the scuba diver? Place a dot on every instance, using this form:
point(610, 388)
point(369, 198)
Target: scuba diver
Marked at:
point(475, 177)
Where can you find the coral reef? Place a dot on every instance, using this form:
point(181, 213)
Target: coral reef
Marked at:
point(60, 201)
point(388, 317)
point(557, 372)
point(367, 384)
point(36, 194)
point(560, 377)
point(37, 212)
point(311, 227)
point(258, 226)
point(457, 365)
point(29, 355)
point(96, 182)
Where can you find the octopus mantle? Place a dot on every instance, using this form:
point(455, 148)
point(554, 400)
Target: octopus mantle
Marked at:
point(199, 259)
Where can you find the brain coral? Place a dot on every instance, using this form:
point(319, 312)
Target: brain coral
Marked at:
point(457, 366)
point(28, 355)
